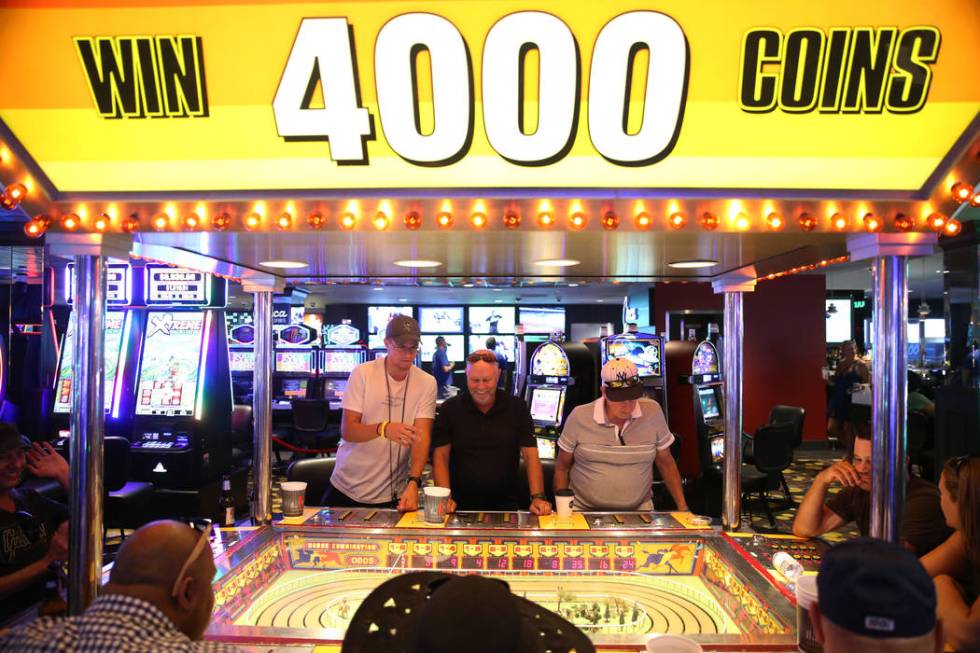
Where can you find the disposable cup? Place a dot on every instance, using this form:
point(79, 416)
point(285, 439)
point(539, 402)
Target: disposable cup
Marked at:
point(436, 502)
point(293, 498)
point(806, 595)
point(564, 499)
point(672, 644)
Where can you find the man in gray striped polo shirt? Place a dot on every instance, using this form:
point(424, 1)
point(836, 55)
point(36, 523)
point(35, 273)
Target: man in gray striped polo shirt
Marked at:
point(608, 447)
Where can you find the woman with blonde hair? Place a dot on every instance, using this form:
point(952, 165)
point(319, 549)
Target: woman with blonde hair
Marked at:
point(955, 564)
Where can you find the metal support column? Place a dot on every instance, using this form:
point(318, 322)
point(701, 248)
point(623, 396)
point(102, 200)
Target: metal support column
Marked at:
point(733, 285)
point(262, 409)
point(889, 253)
point(87, 423)
point(889, 406)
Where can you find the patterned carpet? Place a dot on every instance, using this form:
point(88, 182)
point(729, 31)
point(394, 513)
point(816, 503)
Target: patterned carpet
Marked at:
point(799, 477)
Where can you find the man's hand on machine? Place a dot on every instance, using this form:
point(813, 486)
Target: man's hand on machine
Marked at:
point(842, 472)
point(403, 434)
point(409, 499)
point(540, 507)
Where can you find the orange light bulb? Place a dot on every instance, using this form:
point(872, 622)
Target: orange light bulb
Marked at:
point(578, 221)
point(284, 221)
point(444, 219)
point(709, 221)
point(252, 221)
point(904, 222)
point(643, 220)
point(102, 222)
point(775, 221)
point(380, 221)
point(936, 221)
point(871, 223)
point(347, 221)
point(478, 220)
point(838, 221)
point(610, 220)
point(191, 221)
point(131, 224)
point(677, 220)
point(221, 221)
point(161, 221)
point(512, 219)
point(807, 222)
point(961, 191)
point(546, 219)
point(952, 227)
point(413, 220)
point(12, 196)
point(35, 227)
point(975, 199)
point(316, 220)
point(742, 222)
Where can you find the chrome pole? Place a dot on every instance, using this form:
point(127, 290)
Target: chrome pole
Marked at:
point(87, 423)
point(732, 371)
point(262, 409)
point(889, 397)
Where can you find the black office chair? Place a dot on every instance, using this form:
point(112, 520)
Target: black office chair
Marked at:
point(127, 503)
point(793, 415)
point(773, 445)
point(316, 473)
point(311, 427)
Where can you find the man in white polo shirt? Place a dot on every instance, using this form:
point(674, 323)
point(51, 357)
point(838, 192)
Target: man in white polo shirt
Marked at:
point(389, 407)
point(607, 449)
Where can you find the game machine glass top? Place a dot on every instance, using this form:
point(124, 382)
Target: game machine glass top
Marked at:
point(115, 323)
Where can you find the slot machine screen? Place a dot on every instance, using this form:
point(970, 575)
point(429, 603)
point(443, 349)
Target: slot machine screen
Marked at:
point(549, 360)
point(333, 389)
point(341, 361)
point(294, 361)
point(547, 449)
point(709, 403)
point(293, 388)
point(171, 364)
point(546, 404)
point(642, 352)
point(717, 449)
point(113, 344)
point(241, 361)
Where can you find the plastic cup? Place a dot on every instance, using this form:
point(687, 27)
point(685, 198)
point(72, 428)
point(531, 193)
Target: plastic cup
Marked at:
point(806, 595)
point(563, 503)
point(293, 498)
point(672, 644)
point(436, 502)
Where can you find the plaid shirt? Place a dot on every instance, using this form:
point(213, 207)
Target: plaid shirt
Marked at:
point(113, 623)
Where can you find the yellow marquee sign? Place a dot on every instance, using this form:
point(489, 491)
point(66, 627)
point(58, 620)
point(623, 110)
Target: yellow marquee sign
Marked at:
point(196, 96)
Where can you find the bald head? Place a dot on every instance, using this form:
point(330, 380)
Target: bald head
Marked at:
point(154, 554)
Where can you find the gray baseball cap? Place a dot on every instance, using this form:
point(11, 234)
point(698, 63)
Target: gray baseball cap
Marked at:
point(404, 330)
point(11, 439)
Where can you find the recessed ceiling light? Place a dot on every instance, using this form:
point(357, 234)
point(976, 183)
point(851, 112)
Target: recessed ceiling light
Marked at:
point(497, 289)
point(694, 263)
point(557, 262)
point(403, 299)
point(284, 265)
point(418, 263)
point(498, 301)
point(467, 285)
point(600, 301)
point(573, 285)
point(377, 288)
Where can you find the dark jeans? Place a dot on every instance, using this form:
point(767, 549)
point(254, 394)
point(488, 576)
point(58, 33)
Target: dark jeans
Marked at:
point(334, 498)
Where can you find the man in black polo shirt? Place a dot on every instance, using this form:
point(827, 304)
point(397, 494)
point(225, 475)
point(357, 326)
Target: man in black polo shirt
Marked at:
point(478, 439)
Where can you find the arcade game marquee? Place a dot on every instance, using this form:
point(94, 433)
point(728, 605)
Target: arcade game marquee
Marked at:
point(618, 577)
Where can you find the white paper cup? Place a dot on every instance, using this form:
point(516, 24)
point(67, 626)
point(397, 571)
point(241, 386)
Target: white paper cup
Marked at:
point(672, 644)
point(806, 595)
point(563, 503)
point(293, 498)
point(436, 501)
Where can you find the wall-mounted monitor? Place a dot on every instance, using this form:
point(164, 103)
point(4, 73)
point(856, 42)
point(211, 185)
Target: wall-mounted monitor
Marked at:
point(543, 320)
point(491, 319)
point(838, 314)
point(441, 319)
point(935, 329)
point(378, 318)
point(454, 351)
point(506, 345)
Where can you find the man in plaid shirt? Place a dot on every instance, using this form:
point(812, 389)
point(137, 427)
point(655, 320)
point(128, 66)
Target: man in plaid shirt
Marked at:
point(159, 598)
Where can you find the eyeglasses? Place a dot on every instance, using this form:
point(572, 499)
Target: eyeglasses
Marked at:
point(631, 382)
point(204, 527)
point(413, 349)
point(958, 462)
point(485, 356)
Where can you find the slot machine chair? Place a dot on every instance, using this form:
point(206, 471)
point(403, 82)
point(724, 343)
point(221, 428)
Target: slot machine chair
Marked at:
point(773, 444)
point(777, 415)
point(316, 473)
point(127, 503)
point(312, 422)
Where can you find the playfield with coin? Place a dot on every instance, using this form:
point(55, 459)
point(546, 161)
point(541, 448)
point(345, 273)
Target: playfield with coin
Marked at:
point(304, 585)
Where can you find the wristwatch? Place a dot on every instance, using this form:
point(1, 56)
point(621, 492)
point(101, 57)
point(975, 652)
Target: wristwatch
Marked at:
point(539, 495)
point(417, 479)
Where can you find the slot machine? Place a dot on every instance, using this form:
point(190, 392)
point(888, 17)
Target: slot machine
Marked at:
point(553, 390)
point(182, 414)
point(122, 328)
point(295, 366)
point(241, 356)
point(340, 355)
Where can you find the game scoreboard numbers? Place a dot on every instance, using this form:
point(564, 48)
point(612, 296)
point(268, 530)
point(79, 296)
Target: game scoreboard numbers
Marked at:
point(177, 286)
point(118, 284)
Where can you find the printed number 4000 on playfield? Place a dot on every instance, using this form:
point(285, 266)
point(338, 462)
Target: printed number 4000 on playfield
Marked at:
point(322, 53)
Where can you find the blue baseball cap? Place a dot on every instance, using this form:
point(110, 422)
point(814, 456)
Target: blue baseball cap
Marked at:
point(875, 588)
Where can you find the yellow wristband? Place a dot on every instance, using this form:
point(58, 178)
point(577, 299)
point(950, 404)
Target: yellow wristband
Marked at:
point(382, 427)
